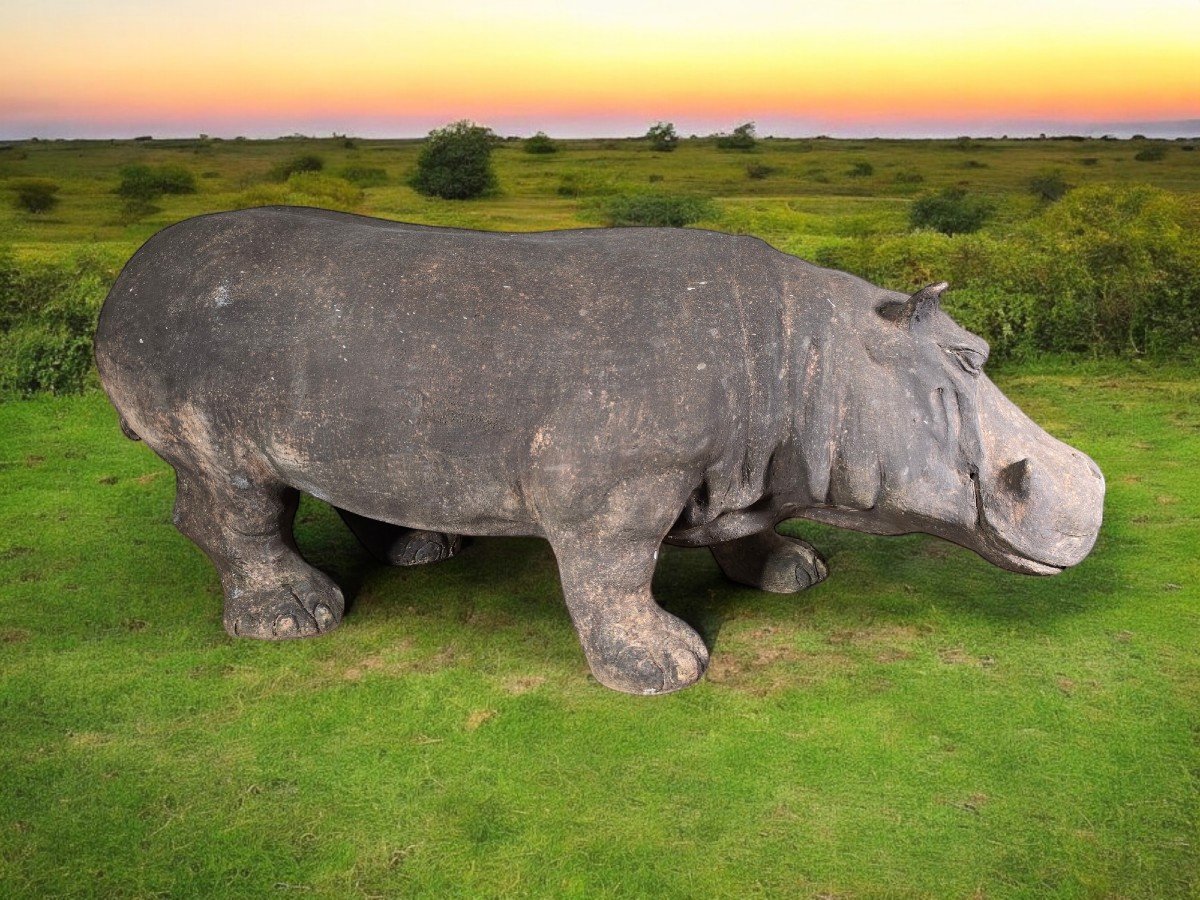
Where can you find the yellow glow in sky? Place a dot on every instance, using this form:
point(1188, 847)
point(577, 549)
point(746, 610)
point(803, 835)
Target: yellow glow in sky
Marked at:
point(184, 66)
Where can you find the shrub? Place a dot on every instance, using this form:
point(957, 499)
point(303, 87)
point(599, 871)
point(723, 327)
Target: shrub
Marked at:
point(305, 162)
point(758, 171)
point(974, 164)
point(47, 318)
point(35, 195)
point(861, 170)
point(455, 163)
point(305, 189)
point(1121, 270)
point(540, 143)
point(742, 138)
point(1106, 270)
point(145, 183)
point(662, 137)
point(1150, 154)
point(1089, 161)
point(364, 176)
point(908, 177)
point(1048, 186)
point(657, 209)
point(950, 211)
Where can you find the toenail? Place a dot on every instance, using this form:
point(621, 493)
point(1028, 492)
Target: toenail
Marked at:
point(286, 625)
point(323, 614)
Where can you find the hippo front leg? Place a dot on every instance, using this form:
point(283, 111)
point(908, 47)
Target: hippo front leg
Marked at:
point(606, 563)
point(394, 545)
point(771, 562)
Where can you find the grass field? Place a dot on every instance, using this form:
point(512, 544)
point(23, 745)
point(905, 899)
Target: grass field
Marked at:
point(808, 201)
point(920, 725)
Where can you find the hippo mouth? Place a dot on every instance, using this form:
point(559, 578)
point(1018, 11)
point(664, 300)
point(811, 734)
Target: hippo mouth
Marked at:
point(1025, 565)
point(998, 550)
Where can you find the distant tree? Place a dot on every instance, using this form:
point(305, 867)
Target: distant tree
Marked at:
point(950, 211)
point(1048, 186)
point(455, 163)
point(35, 195)
point(861, 170)
point(305, 162)
point(540, 143)
point(145, 183)
point(662, 137)
point(742, 138)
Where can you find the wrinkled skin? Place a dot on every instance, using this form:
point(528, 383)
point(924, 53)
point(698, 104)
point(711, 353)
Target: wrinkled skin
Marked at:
point(608, 390)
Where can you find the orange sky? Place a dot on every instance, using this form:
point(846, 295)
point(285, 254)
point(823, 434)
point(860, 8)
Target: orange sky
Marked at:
point(69, 67)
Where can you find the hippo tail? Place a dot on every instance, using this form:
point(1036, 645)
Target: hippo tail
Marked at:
point(128, 431)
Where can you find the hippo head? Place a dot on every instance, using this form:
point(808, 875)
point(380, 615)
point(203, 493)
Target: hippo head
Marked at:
point(923, 441)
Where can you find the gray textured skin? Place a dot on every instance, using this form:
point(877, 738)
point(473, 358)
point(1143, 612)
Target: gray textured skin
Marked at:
point(607, 390)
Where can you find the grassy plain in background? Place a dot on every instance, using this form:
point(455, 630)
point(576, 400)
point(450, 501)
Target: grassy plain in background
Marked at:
point(920, 725)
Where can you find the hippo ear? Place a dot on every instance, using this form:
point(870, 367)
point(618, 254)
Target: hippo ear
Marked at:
point(918, 307)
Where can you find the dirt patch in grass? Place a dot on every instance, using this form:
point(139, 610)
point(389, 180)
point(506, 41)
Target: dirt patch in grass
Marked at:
point(767, 660)
point(477, 718)
point(885, 643)
point(957, 656)
point(523, 684)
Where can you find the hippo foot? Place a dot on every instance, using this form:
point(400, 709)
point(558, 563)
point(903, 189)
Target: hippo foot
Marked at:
point(421, 547)
point(654, 654)
point(305, 606)
point(771, 562)
point(395, 545)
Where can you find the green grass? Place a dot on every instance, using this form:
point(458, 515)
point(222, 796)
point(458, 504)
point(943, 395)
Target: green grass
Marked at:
point(921, 725)
point(810, 199)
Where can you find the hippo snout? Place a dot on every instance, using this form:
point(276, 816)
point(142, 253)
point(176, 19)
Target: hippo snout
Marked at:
point(1041, 501)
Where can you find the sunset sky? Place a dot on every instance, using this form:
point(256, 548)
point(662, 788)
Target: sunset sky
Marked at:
point(262, 68)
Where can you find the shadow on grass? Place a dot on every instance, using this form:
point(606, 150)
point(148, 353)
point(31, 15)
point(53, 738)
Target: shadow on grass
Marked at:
point(499, 582)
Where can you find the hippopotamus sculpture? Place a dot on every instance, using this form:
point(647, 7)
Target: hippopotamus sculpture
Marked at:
point(608, 390)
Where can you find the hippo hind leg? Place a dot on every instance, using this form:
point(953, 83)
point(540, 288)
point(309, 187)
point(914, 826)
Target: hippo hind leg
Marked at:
point(394, 545)
point(245, 529)
point(771, 562)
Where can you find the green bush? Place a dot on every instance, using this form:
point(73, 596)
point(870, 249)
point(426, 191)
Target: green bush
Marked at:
point(145, 183)
point(1048, 187)
point(34, 195)
point(950, 211)
point(908, 177)
point(1151, 154)
point(1121, 268)
point(455, 163)
point(655, 209)
point(540, 143)
point(305, 189)
point(47, 317)
point(1106, 270)
point(305, 162)
point(365, 176)
point(861, 170)
point(742, 138)
point(662, 137)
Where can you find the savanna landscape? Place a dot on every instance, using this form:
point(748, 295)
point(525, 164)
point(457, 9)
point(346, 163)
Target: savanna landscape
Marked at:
point(922, 724)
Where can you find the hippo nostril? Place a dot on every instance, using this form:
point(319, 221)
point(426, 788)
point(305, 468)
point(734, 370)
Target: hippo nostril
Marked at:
point(1016, 476)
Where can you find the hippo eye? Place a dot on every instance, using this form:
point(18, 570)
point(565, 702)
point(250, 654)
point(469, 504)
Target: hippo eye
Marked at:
point(971, 360)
